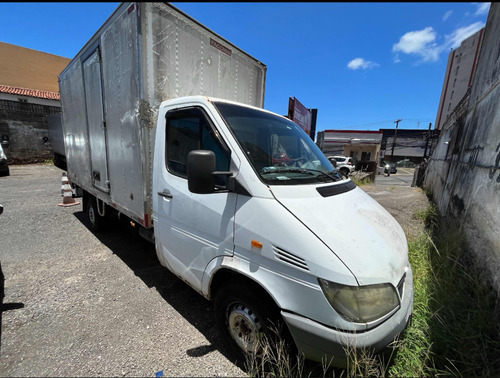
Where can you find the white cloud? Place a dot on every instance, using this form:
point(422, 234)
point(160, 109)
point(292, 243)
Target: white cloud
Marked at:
point(360, 63)
point(453, 40)
point(482, 8)
point(447, 15)
point(421, 43)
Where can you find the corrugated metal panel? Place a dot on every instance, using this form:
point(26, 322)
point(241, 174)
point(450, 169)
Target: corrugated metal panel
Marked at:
point(75, 125)
point(150, 52)
point(188, 59)
point(121, 78)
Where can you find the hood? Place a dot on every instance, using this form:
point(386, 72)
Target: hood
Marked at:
point(356, 228)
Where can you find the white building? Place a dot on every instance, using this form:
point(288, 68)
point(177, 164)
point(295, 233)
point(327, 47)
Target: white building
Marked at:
point(462, 63)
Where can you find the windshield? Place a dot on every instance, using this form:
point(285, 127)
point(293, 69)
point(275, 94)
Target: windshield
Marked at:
point(278, 149)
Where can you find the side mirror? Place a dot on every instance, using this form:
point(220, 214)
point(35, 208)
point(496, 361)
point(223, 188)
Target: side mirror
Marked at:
point(200, 169)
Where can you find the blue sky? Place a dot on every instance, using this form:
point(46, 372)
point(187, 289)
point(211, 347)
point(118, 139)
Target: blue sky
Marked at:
point(362, 65)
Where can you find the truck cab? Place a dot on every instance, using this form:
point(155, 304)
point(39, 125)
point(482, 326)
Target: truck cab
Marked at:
point(264, 237)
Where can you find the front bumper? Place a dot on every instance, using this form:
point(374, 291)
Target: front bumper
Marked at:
point(318, 342)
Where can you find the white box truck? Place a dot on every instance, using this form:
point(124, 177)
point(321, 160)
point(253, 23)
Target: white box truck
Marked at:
point(164, 123)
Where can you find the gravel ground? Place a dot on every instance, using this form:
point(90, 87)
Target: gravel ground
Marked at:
point(81, 304)
point(403, 202)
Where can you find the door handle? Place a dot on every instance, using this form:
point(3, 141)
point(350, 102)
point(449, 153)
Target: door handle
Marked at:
point(166, 193)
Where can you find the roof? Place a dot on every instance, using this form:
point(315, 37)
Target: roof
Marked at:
point(354, 131)
point(21, 67)
point(29, 92)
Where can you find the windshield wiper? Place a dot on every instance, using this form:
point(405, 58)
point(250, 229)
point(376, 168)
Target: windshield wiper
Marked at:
point(302, 170)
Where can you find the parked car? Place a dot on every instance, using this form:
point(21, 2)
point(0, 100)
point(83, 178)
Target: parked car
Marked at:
point(4, 166)
point(344, 164)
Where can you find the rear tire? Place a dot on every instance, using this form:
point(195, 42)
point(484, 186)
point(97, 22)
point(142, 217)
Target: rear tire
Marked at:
point(98, 223)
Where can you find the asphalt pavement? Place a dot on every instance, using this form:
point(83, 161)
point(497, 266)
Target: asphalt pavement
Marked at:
point(82, 304)
point(403, 177)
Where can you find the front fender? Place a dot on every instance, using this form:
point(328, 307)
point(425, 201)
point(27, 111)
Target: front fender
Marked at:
point(295, 293)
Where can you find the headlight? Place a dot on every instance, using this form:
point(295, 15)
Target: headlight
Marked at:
point(361, 304)
point(387, 166)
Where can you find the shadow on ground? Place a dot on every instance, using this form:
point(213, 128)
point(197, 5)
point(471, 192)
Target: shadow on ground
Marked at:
point(140, 256)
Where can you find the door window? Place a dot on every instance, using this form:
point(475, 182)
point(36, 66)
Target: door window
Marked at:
point(190, 129)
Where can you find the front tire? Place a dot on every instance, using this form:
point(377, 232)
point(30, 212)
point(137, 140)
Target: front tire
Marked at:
point(245, 319)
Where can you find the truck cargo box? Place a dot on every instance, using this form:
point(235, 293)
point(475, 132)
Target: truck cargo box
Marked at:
point(143, 54)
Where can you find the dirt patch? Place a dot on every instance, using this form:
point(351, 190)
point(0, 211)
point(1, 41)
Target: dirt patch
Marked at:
point(403, 202)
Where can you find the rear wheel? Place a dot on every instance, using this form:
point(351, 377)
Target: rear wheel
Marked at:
point(97, 222)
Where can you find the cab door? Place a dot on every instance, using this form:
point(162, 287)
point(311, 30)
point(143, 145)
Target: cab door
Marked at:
point(190, 229)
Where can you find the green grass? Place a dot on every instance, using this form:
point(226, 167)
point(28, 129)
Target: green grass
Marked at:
point(48, 161)
point(364, 181)
point(455, 328)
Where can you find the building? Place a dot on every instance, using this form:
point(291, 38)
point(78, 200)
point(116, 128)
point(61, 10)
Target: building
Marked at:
point(362, 146)
point(407, 144)
point(29, 92)
point(462, 63)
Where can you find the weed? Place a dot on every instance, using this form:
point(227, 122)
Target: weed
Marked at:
point(273, 359)
point(430, 217)
point(360, 182)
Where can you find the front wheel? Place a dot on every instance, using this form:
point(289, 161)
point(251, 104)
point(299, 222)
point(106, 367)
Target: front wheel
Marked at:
point(246, 320)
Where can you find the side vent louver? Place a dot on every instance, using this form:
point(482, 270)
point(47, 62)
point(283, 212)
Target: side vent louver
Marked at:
point(290, 258)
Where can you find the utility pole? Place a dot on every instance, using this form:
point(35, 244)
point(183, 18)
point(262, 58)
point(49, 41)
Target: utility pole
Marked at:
point(395, 134)
point(427, 141)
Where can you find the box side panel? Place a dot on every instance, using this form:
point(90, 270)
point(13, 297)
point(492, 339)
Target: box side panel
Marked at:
point(75, 130)
point(56, 135)
point(184, 58)
point(121, 86)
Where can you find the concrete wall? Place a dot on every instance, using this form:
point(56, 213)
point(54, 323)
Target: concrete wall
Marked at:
point(464, 171)
point(26, 127)
point(23, 118)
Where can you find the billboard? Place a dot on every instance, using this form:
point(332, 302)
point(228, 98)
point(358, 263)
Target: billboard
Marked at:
point(305, 118)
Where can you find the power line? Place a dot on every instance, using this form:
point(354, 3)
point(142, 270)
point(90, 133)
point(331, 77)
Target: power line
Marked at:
point(423, 119)
point(367, 124)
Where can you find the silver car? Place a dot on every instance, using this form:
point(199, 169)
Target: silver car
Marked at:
point(344, 164)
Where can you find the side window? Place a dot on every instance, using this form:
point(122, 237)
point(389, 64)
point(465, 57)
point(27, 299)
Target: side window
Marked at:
point(190, 129)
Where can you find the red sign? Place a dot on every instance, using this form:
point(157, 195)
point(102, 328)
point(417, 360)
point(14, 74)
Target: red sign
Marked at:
point(300, 115)
point(220, 47)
